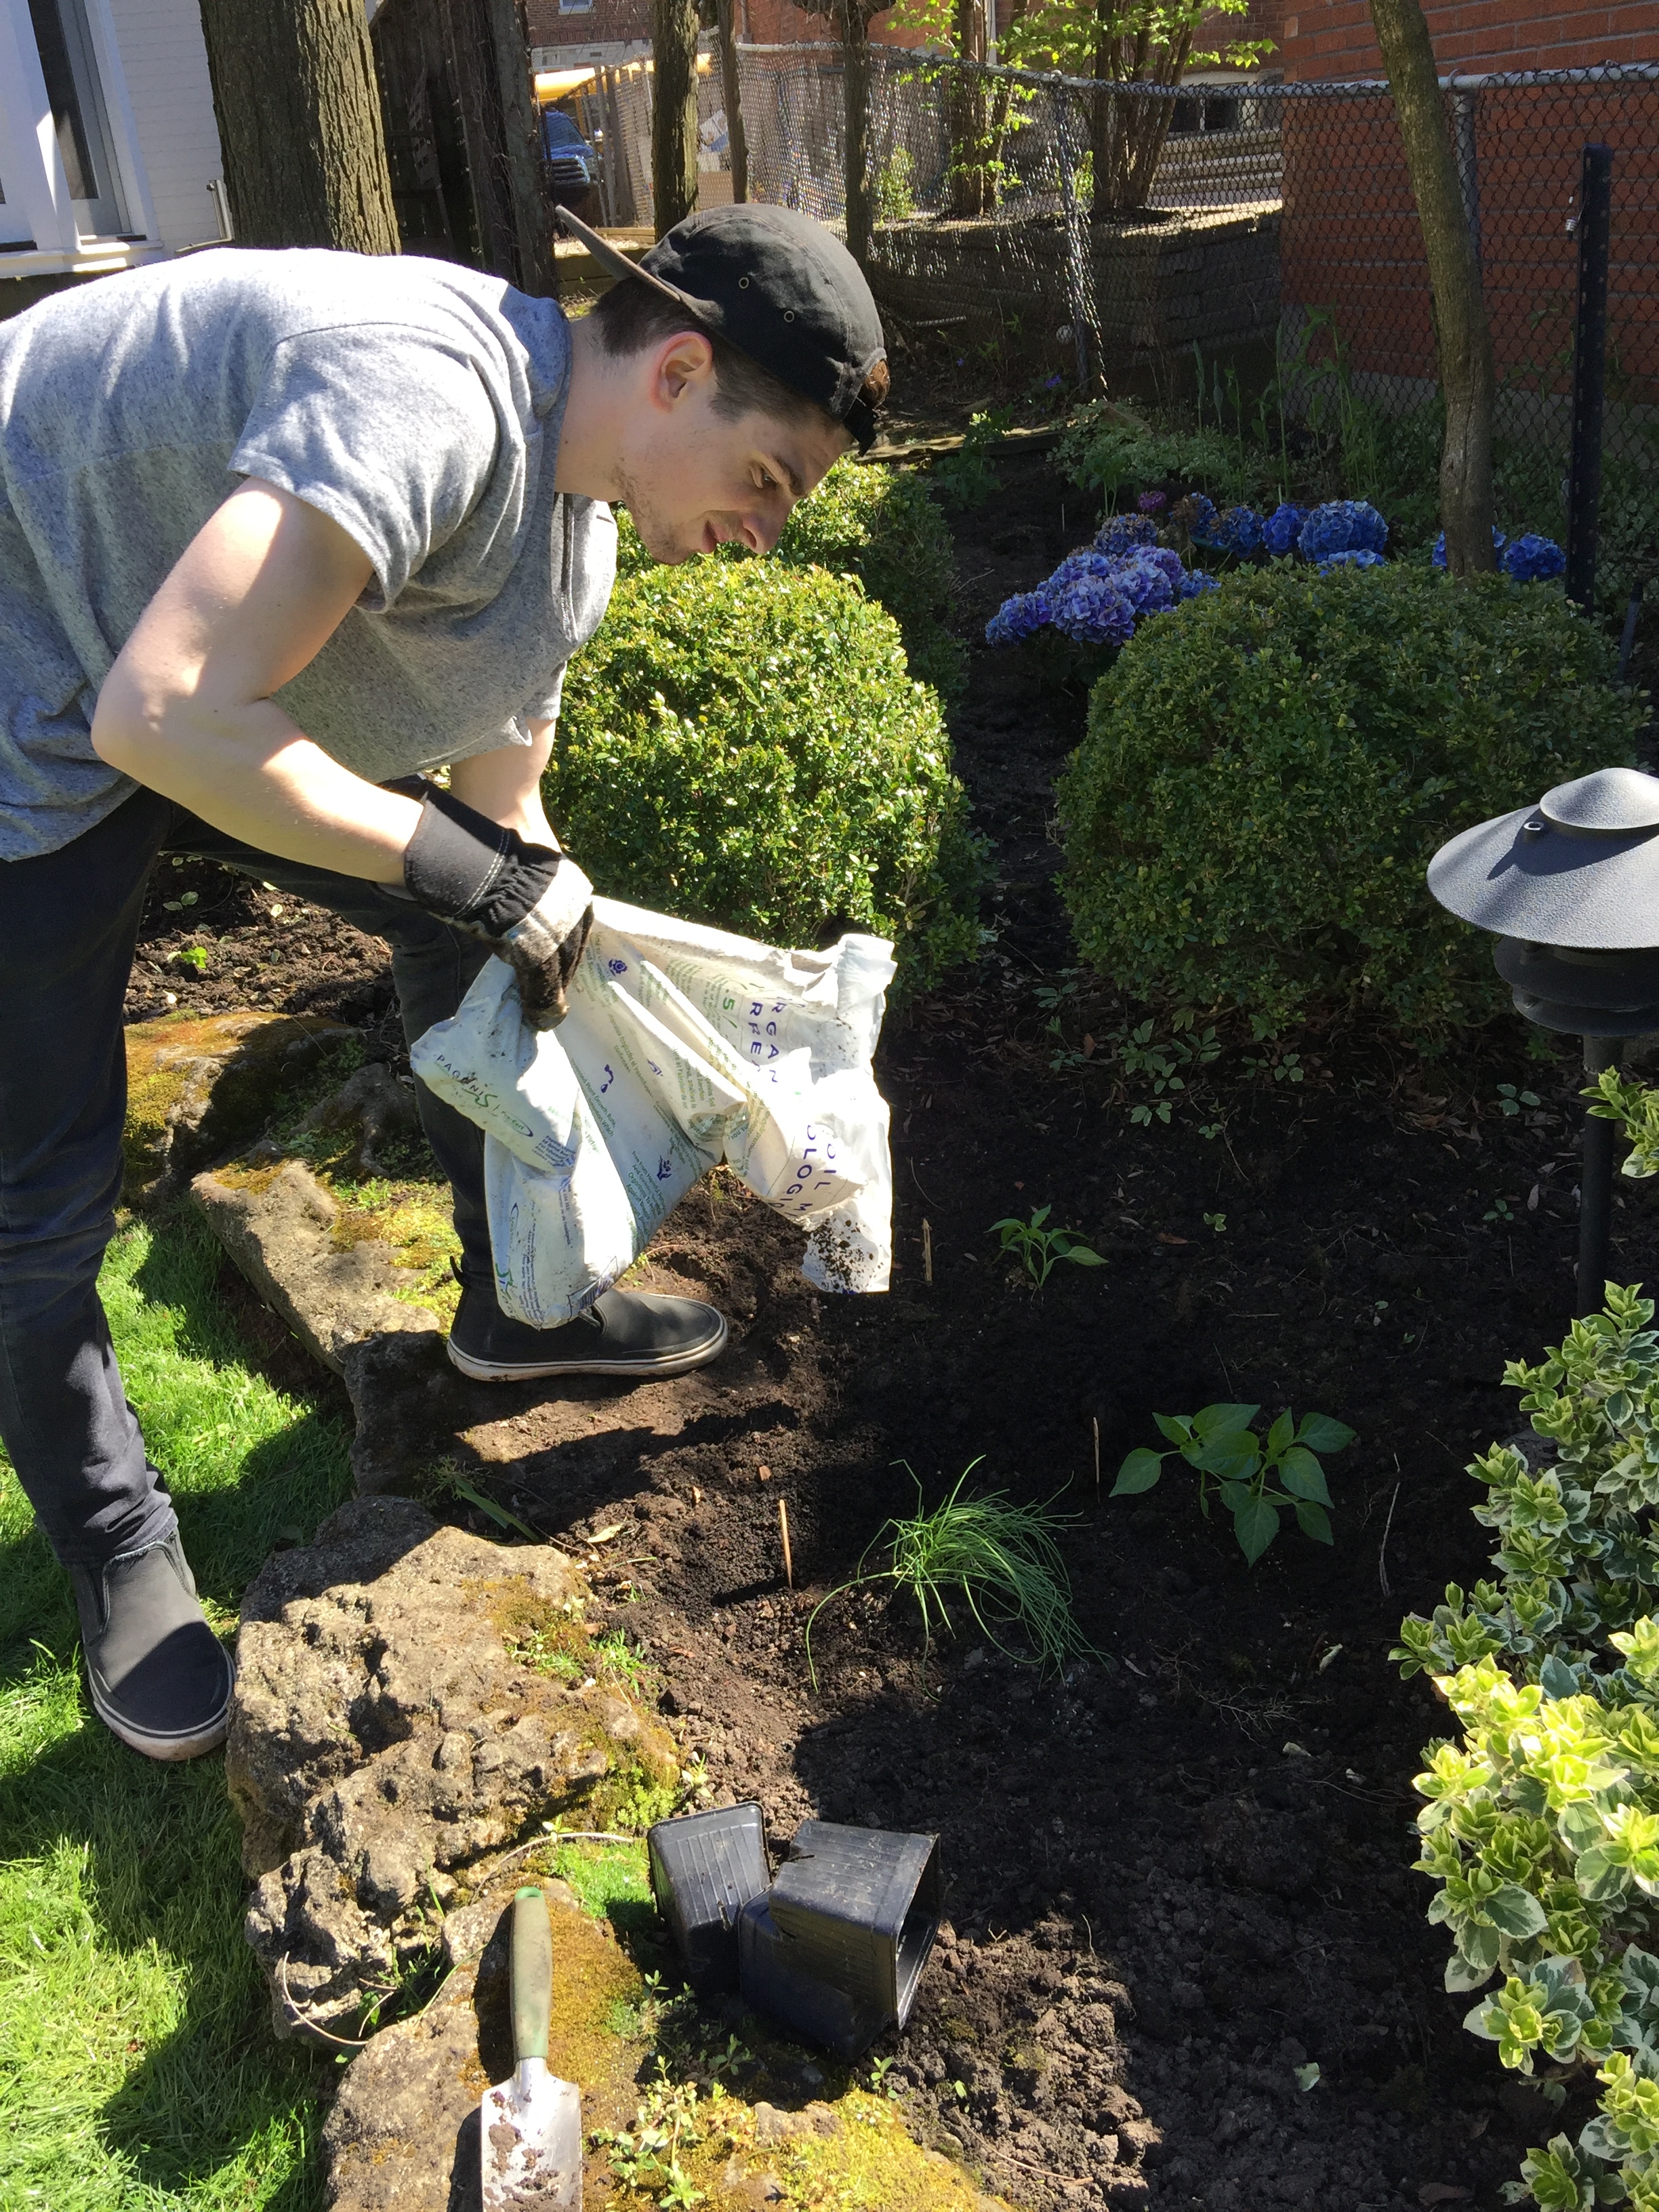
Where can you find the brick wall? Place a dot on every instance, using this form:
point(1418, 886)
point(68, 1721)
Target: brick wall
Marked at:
point(1333, 37)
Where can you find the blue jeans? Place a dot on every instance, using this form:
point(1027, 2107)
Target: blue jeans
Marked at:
point(69, 922)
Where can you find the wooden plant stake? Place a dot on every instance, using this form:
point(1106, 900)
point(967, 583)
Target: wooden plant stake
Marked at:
point(783, 1529)
point(927, 1252)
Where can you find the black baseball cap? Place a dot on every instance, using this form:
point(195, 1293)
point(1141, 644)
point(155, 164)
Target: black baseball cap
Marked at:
point(780, 287)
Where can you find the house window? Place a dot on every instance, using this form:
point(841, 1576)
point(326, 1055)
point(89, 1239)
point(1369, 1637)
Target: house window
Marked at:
point(64, 41)
point(575, 7)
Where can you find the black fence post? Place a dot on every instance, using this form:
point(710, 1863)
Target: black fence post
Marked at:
point(1589, 363)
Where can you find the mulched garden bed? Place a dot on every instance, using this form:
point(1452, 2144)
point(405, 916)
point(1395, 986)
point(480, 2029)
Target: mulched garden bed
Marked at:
point(1183, 1874)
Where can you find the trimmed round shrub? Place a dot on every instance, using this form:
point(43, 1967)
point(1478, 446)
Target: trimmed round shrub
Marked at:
point(876, 522)
point(1269, 769)
point(741, 744)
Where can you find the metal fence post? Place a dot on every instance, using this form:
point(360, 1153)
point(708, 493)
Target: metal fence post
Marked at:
point(1076, 286)
point(1589, 363)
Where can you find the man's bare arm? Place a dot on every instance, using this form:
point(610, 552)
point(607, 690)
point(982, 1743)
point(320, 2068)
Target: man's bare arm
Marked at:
point(187, 709)
point(506, 784)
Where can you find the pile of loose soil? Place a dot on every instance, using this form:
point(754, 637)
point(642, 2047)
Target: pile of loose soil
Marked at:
point(1179, 1877)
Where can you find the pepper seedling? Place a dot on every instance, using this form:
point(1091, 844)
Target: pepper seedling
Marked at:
point(1238, 1467)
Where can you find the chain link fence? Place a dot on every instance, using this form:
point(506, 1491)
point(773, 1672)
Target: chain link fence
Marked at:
point(1146, 238)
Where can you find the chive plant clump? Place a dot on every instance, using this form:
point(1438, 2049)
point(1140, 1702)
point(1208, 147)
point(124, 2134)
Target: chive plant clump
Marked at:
point(1004, 1561)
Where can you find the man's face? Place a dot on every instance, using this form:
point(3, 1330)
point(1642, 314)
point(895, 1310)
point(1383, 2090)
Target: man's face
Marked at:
point(694, 479)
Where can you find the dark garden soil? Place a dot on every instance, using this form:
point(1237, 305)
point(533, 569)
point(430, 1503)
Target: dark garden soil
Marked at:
point(1183, 1873)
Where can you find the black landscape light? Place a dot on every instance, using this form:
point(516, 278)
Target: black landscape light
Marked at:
point(836, 1947)
point(705, 1867)
point(1570, 887)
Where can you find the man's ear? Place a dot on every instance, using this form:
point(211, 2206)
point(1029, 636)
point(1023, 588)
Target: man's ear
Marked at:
point(682, 362)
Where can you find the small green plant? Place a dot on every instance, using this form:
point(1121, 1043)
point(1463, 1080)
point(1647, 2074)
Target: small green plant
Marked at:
point(1158, 1063)
point(1236, 1465)
point(1500, 1210)
point(1511, 1101)
point(966, 478)
point(193, 955)
point(1218, 1221)
point(645, 2158)
point(895, 187)
point(1616, 1097)
point(1004, 1558)
point(1038, 1248)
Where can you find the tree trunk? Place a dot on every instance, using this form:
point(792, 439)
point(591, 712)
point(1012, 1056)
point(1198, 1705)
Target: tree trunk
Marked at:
point(299, 116)
point(855, 83)
point(973, 188)
point(1468, 379)
point(524, 160)
point(673, 111)
point(726, 32)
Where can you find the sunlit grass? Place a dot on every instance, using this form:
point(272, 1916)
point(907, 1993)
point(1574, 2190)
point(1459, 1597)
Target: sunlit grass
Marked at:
point(137, 2066)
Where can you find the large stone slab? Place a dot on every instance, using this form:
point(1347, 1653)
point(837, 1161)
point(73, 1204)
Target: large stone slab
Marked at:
point(399, 1719)
point(280, 1224)
point(198, 1086)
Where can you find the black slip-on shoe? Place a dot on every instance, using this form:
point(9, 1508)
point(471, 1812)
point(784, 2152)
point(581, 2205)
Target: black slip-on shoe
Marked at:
point(160, 1678)
point(633, 1333)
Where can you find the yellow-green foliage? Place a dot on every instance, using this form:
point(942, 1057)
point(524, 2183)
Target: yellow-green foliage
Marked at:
point(741, 744)
point(1269, 767)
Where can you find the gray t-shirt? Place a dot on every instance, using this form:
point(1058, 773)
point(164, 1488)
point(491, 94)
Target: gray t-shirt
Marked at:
point(416, 404)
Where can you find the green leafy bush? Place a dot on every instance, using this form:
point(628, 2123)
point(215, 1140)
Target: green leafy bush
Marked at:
point(880, 525)
point(741, 744)
point(1101, 452)
point(1541, 1825)
point(1269, 768)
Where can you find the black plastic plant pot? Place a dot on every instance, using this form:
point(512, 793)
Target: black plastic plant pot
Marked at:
point(705, 1868)
point(775, 1981)
point(859, 1909)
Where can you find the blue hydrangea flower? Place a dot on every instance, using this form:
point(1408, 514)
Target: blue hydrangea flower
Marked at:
point(1497, 544)
point(1019, 618)
point(1363, 558)
point(1201, 518)
point(1531, 558)
point(1145, 581)
point(1278, 532)
point(1195, 582)
point(1077, 566)
point(1342, 526)
point(1238, 530)
point(1121, 533)
point(1095, 612)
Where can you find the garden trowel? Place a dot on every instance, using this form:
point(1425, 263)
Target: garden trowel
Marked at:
point(530, 2129)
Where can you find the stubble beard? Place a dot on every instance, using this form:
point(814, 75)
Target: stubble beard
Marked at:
point(655, 533)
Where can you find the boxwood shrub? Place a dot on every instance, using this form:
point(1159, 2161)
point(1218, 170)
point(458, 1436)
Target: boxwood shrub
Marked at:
point(741, 744)
point(880, 525)
point(1267, 770)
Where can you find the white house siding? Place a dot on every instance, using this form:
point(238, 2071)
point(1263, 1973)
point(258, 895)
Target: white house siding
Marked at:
point(165, 65)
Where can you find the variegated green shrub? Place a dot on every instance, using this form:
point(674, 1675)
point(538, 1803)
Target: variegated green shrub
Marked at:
point(1541, 1822)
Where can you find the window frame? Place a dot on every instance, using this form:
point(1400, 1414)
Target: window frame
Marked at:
point(39, 231)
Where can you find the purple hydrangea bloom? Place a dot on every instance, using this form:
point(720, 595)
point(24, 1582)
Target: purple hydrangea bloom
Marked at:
point(1363, 558)
point(1278, 532)
point(1095, 612)
point(1145, 581)
point(1342, 526)
point(1236, 530)
point(1121, 533)
point(1152, 502)
point(1497, 545)
point(1195, 582)
point(1019, 618)
point(1077, 566)
point(1531, 558)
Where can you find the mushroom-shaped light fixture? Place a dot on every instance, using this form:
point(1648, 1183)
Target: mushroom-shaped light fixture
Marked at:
point(1570, 887)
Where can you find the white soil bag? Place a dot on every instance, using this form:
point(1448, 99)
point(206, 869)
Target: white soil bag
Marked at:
point(683, 1046)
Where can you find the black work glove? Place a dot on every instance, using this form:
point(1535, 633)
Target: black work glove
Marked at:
point(531, 904)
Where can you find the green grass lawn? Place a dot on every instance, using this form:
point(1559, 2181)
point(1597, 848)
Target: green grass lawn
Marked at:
point(137, 2066)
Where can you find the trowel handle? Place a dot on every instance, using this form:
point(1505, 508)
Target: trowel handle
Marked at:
point(531, 1973)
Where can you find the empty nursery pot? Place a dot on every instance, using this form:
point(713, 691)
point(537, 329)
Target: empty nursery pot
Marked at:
point(705, 1867)
point(852, 1915)
point(774, 1981)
